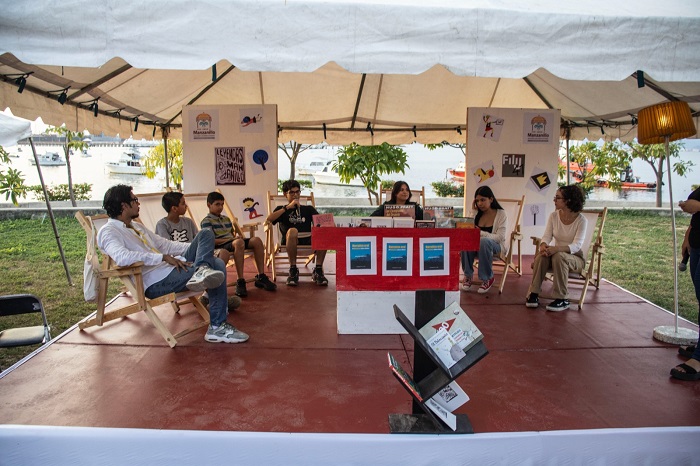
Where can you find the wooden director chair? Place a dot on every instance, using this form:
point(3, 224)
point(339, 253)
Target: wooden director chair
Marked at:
point(275, 252)
point(417, 196)
point(504, 261)
point(593, 250)
point(131, 277)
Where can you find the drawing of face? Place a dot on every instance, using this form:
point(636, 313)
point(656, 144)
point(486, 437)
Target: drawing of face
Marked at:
point(248, 203)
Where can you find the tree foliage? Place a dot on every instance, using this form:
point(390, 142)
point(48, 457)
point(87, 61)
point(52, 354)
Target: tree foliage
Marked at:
point(81, 192)
point(655, 156)
point(73, 141)
point(11, 181)
point(155, 159)
point(368, 163)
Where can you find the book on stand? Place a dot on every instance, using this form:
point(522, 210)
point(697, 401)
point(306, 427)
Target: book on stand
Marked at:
point(323, 220)
point(456, 322)
point(425, 223)
point(404, 378)
point(382, 222)
point(403, 222)
point(398, 210)
point(445, 347)
point(441, 215)
point(464, 222)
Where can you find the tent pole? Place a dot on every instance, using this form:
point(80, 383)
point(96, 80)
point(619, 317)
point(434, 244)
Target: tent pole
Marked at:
point(48, 207)
point(568, 156)
point(167, 162)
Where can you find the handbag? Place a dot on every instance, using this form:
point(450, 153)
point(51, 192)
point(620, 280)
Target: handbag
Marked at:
point(91, 281)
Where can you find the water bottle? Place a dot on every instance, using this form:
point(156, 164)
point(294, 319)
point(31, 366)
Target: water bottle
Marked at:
point(684, 263)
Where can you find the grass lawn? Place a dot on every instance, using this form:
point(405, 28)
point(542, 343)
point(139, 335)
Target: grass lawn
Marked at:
point(638, 258)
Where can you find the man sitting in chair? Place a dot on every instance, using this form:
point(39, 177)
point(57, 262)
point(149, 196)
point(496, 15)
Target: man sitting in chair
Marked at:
point(295, 222)
point(169, 266)
point(176, 227)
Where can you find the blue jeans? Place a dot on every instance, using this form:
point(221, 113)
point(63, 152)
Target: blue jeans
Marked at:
point(200, 252)
point(487, 249)
point(695, 276)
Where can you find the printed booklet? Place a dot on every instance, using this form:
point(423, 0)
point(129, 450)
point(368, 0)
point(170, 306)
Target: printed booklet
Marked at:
point(441, 215)
point(445, 347)
point(323, 220)
point(456, 322)
point(396, 210)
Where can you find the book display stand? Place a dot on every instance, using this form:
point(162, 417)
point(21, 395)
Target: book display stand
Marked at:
point(430, 374)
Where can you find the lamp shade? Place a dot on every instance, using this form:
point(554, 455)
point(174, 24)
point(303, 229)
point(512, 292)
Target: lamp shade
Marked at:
point(672, 119)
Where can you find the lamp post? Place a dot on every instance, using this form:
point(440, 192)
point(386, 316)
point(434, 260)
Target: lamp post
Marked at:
point(666, 122)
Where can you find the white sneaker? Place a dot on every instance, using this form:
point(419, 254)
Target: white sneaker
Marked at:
point(225, 333)
point(204, 278)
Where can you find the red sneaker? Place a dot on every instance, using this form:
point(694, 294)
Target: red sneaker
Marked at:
point(467, 283)
point(486, 286)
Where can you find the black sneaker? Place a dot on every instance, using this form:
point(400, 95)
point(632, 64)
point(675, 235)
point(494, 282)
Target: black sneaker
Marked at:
point(318, 277)
point(532, 300)
point(293, 278)
point(558, 305)
point(240, 288)
point(261, 281)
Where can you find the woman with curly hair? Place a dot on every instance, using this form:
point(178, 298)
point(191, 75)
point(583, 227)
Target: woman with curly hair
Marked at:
point(566, 227)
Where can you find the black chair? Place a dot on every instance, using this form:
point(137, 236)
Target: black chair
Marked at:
point(17, 304)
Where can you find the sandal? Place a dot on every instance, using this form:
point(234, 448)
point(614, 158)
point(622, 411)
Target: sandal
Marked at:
point(686, 351)
point(688, 373)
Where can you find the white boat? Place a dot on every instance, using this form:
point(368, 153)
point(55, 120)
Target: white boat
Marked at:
point(330, 176)
point(318, 156)
point(129, 163)
point(49, 159)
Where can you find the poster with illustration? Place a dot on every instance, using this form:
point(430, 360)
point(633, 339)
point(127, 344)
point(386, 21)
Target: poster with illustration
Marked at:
point(251, 120)
point(434, 256)
point(513, 165)
point(361, 258)
point(535, 215)
point(229, 165)
point(484, 174)
point(204, 125)
point(541, 180)
point(490, 127)
point(253, 207)
point(397, 257)
point(539, 128)
point(261, 158)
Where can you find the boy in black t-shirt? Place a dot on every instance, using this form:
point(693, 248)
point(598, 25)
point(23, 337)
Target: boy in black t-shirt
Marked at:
point(294, 220)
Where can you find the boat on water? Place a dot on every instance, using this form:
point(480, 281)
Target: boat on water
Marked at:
point(330, 176)
point(129, 163)
point(49, 159)
point(458, 172)
point(315, 158)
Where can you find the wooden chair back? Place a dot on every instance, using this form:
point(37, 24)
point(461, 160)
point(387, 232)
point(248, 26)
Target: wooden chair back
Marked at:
point(417, 196)
point(151, 209)
point(514, 212)
point(275, 253)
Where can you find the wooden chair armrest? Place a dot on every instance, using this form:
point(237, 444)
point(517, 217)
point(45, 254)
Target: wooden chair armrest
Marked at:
point(536, 240)
point(122, 271)
point(517, 236)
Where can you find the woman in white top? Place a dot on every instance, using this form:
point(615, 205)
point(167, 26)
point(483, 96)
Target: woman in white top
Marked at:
point(491, 219)
point(567, 227)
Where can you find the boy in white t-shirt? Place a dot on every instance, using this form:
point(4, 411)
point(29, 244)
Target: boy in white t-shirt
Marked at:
point(176, 227)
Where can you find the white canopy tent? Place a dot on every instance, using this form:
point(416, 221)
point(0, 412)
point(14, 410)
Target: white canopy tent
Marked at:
point(407, 69)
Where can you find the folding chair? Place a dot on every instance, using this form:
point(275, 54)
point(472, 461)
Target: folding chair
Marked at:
point(417, 196)
point(593, 250)
point(131, 277)
point(18, 304)
point(275, 252)
point(150, 209)
point(504, 260)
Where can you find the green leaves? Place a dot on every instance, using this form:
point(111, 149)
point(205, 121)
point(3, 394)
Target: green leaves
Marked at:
point(156, 159)
point(368, 163)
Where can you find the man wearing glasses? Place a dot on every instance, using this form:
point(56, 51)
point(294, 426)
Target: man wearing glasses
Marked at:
point(169, 266)
point(295, 220)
